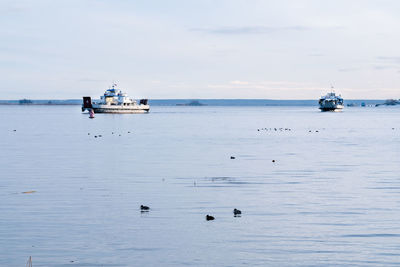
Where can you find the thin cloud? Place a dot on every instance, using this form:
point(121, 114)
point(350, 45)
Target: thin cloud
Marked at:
point(243, 30)
point(316, 55)
point(348, 69)
point(250, 30)
point(383, 67)
point(90, 80)
point(263, 85)
point(387, 62)
point(239, 82)
point(392, 59)
point(14, 8)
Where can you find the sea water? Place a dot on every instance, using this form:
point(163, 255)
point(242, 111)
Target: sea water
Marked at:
point(331, 197)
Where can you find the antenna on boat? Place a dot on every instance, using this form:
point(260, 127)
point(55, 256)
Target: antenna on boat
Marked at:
point(113, 85)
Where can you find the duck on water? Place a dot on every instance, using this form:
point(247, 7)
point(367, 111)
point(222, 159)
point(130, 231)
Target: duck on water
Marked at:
point(115, 101)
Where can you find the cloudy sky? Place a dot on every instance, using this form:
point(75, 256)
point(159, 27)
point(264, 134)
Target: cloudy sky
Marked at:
point(200, 49)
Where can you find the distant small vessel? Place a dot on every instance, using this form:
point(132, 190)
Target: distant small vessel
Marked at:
point(115, 101)
point(192, 103)
point(25, 101)
point(331, 102)
point(389, 102)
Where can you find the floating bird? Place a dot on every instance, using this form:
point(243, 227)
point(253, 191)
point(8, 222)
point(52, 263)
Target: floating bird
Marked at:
point(237, 212)
point(209, 217)
point(273, 160)
point(29, 192)
point(232, 157)
point(144, 208)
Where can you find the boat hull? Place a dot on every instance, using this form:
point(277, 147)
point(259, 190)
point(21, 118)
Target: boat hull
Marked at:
point(331, 108)
point(117, 109)
point(120, 111)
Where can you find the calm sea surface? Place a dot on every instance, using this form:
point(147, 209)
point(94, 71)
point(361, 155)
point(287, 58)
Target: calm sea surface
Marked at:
point(332, 196)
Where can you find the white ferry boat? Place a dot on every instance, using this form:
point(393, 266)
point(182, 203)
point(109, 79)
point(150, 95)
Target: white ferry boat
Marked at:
point(331, 102)
point(115, 101)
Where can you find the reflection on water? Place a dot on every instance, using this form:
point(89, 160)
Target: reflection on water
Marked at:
point(330, 198)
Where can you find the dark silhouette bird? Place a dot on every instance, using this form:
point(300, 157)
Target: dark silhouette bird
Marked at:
point(273, 160)
point(232, 157)
point(144, 208)
point(209, 217)
point(237, 212)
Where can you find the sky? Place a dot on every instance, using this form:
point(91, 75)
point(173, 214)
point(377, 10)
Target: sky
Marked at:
point(254, 49)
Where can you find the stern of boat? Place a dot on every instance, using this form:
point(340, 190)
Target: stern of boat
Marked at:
point(87, 103)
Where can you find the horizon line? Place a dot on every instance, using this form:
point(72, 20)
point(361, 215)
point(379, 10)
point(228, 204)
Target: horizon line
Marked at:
point(270, 99)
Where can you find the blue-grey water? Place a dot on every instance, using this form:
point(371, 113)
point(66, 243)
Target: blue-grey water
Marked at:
point(332, 196)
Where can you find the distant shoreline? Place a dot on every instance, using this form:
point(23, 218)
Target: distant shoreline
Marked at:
point(200, 102)
point(37, 104)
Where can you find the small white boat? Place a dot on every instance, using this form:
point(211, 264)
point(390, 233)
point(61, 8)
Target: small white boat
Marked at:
point(331, 102)
point(115, 101)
